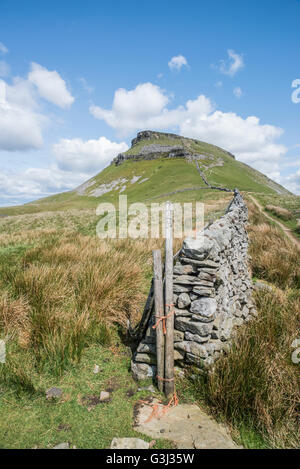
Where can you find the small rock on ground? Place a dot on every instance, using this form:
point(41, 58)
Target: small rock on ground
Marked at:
point(53, 393)
point(62, 446)
point(129, 443)
point(104, 396)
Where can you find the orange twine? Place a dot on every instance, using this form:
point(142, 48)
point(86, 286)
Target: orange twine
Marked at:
point(163, 319)
point(155, 407)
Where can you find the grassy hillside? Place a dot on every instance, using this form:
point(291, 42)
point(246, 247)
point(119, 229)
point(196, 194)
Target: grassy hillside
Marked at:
point(147, 179)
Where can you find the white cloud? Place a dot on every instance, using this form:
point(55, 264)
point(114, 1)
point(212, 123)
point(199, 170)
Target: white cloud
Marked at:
point(177, 62)
point(146, 107)
point(4, 68)
point(85, 86)
point(131, 107)
point(86, 156)
point(248, 139)
point(33, 183)
point(238, 93)
point(22, 93)
point(20, 126)
point(233, 64)
point(75, 162)
point(50, 86)
point(292, 182)
point(21, 123)
point(3, 48)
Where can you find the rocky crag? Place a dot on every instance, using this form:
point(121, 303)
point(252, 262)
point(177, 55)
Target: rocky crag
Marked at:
point(176, 147)
point(212, 295)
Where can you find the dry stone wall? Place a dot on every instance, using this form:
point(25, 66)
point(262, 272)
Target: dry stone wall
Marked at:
point(212, 295)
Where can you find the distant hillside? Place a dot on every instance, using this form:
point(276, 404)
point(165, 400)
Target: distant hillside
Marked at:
point(159, 165)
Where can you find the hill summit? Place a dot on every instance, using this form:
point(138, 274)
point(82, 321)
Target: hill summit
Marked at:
point(149, 145)
point(160, 166)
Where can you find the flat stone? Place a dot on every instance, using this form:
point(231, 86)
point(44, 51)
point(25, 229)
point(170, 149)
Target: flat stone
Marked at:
point(62, 446)
point(186, 425)
point(192, 347)
point(53, 393)
point(195, 327)
point(208, 264)
point(205, 308)
point(192, 280)
point(145, 358)
point(207, 270)
point(203, 291)
point(195, 262)
point(183, 300)
point(104, 396)
point(205, 276)
point(195, 337)
point(181, 269)
point(198, 249)
point(142, 371)
point(182, 312)
point(129, 443)
point(181, 288)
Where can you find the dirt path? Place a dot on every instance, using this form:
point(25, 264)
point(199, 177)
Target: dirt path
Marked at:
point(287, 231)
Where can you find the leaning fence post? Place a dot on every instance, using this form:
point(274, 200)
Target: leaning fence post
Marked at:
point(169, 308)
point(159, 312)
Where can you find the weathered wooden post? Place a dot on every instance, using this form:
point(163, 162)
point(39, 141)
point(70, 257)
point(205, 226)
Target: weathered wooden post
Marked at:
point(159, 312)
point(169, 308)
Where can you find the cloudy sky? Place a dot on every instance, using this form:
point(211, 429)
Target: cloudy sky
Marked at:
point(79, 79)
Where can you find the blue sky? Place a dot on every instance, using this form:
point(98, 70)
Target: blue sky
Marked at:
point(79, 79)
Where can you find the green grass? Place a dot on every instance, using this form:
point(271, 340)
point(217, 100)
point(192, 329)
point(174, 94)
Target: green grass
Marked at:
point(289, 202)
point(29, 420)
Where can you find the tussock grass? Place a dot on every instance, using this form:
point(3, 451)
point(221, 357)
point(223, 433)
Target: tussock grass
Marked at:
point(68, 292)
point(280, 212)
point(257, 384)
point(274, 257)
